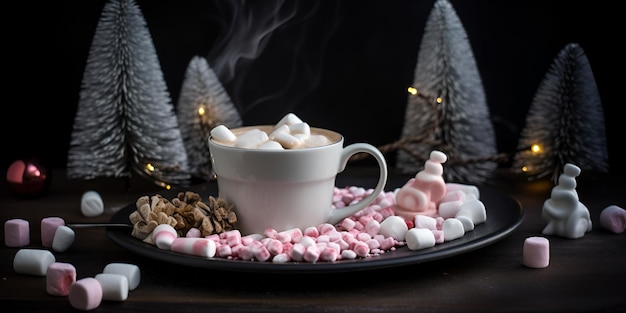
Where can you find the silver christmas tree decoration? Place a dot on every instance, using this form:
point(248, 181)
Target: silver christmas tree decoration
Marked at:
point(565, 122)
point(447, 108)
point(203, 104)
point(125, 119)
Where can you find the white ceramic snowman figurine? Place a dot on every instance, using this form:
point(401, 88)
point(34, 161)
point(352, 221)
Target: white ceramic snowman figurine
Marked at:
point(566, 215)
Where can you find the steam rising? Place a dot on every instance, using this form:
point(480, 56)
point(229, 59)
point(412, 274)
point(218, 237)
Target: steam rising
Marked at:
point(253, 79)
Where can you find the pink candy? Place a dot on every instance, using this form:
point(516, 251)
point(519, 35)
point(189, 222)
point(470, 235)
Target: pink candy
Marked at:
point(59, 277)
point(371, 231)
point(85, 294)
point(16, 233)
point(194, 246)
point(48, 229)
point(536, 253)
point(163, 236)
point(613, 219)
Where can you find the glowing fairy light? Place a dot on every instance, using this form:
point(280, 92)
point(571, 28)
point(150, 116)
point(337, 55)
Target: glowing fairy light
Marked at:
point(201, 110)
point(439, 100)
point(151, 171)
point(535, 148)
point(412, 90)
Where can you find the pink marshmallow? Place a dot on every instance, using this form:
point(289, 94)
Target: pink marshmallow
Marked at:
point(312, 254)
point(274, 246)
point(85, 294)
point(329, 254)
point(233, 237)
point(613, 218)
point(194, 246)
point(361, 249)
point(59, 277)
point(536, 253)
point(16, 233)
point(163, 236)
point(297, 252)
point(48, 229)
point(261, 253)
point(194, 233)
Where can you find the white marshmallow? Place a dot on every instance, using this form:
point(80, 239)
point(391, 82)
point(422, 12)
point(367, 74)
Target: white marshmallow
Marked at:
point(449, 208)
point(163, 235)
point(469, 190)
point(453, 195)
point(271, 145)
point(91, 204)
point(288, 119)
point(278, 130)
point(394, 226)
point(452, 229)
point(475, 210)
point(114, 286)
point(419, 238)
point(33, 261)
point(425, 221)
point(251, 139)
point(131, 271)
point(286, 140)
point(223, 135)
point(314, 141)
point(300, 128)
point(63, 239)
point(468, 225)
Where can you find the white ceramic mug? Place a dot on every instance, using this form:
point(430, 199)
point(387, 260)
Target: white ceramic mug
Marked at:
point(291, 188)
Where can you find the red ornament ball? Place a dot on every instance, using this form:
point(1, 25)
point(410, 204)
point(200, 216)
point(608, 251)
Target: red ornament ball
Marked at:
point(28, 178)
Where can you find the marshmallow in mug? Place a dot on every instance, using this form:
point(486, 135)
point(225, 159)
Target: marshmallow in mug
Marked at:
point(289, 133)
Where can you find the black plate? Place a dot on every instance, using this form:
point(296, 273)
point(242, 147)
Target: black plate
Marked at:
point(504, 215)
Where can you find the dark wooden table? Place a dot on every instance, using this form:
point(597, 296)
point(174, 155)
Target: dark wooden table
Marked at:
point(584, 275)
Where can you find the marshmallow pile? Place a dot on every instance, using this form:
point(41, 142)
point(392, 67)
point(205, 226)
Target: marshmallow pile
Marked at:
point(289, 133)
point(85, 294)
point(372, 231)
point(54, 233)
point(112, 284)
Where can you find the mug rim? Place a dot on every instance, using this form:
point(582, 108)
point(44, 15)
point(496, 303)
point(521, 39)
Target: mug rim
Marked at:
point(339, 140)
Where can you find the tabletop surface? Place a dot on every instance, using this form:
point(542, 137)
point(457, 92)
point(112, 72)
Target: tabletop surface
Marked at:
point(584, 275)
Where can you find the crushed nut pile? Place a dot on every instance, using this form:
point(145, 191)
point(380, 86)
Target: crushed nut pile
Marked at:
point(184, 212)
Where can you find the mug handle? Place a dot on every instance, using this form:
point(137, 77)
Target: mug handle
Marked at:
point(338, 214)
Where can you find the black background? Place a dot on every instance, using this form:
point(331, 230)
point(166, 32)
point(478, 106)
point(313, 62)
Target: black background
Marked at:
point(340, 64)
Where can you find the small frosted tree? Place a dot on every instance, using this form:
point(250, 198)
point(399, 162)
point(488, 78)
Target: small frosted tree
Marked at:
point(565, 122)
point(447, 110)
point(125, 119)
point(202, 105)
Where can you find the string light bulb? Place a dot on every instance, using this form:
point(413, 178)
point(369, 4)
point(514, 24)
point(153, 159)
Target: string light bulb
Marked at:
point(535, 148)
